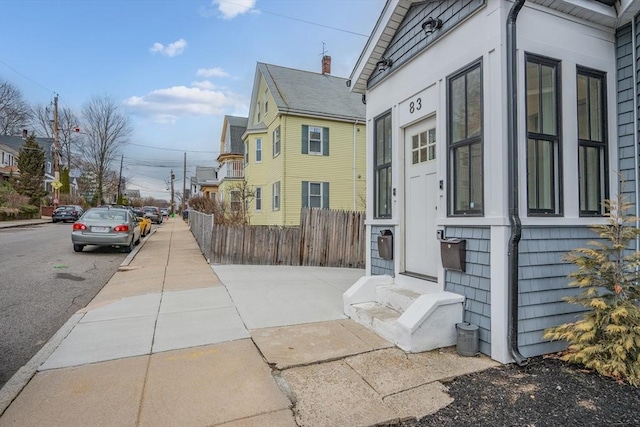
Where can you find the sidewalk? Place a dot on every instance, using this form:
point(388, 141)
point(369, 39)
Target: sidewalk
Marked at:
point(169, 341)
point(24, 222)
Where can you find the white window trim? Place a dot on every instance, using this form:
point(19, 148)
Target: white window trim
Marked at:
point(274, 142)
point(321, 184)
point(258, 197)
point(274, 187)
point(259, 140)
point(309, 151)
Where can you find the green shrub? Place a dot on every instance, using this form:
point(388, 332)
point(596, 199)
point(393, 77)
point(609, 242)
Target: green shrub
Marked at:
point(29, 209)
point(607, 338)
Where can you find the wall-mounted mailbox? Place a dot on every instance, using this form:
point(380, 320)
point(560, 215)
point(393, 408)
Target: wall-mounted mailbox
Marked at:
point(453, 253)
point(385, 244)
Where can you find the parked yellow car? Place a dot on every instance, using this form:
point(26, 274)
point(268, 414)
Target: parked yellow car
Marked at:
point(145, 222)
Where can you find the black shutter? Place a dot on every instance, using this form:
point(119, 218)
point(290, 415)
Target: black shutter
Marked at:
point(305, 139)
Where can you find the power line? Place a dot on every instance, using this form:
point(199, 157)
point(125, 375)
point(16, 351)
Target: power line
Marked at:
point(172, 149)
point(297, 19)
point(30, 79)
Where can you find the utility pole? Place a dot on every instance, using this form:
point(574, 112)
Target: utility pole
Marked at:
point(184, 183)
point(120, 178)
point(56, 156)
point(172, 178)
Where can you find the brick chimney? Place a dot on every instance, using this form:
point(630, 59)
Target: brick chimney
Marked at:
point(326, 64)
point(25, 133)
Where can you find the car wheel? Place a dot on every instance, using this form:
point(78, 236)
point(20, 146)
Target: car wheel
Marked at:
point(129, 248)
point(54, 220)
point(78, 248)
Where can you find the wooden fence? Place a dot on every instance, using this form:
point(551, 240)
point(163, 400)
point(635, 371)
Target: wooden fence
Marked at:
point(324, 238)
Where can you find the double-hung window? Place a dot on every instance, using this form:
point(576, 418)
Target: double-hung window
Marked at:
point(315, 194)
point(236, 200)
point(258, 199)
point(382, 166)
point(246, 153)
point(465, 134)
point(276, 141)
point(258, 150)
point(315, 140)
point(266, 102)
point(592, 141)
point(544, 150)
point(276, 196)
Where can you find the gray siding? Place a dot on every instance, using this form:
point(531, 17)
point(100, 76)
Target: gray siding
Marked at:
point(625, 117)
point(543, 283)
point(379, 266)
point(410, 39)
point(475, 282)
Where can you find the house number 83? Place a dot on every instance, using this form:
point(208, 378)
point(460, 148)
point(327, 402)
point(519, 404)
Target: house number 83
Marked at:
point(415, 105)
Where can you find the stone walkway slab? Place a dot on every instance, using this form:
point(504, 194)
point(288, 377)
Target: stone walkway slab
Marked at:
point(101, 394)
point(100, 341)
point(209, 385)
point(298, 345)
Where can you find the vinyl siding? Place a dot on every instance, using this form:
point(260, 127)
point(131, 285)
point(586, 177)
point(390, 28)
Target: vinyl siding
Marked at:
point(257, 175)
point(336, 168)
point(475, 282)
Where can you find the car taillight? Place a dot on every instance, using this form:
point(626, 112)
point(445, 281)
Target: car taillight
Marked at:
point(121, 228)
point(79, 226)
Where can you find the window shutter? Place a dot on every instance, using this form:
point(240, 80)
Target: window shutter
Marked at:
point(325, 142)
point(305, 139)
point(305, 194)
point(325, 195)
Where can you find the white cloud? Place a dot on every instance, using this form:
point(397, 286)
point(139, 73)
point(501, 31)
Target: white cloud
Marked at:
point(212, 72)
point(173, 49)
point(231, 9)
point(204, 84)
point(169, 104)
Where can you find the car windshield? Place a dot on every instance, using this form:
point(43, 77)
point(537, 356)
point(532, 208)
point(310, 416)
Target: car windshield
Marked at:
point(65, 208)
point(106, 214)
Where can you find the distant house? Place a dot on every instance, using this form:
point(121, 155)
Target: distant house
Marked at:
point(8, 162)
point(304, 145)
point(231, 159)
point(16, 143)
point(205, 182)
point(503, 124)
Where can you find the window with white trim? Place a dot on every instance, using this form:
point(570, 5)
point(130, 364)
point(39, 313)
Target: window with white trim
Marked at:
point(258, 199)
point(246, 153)
point(276, 141)
point(315, 194)
point(236, 200)
point(464, 96)
point(382, 166)
point(266, 102)
point(259, 150)
point(276, 196)
point(544, 145)
point(593, 168)
point(315, 140)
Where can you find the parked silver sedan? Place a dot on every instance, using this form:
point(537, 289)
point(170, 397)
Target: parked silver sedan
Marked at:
point(106, 227)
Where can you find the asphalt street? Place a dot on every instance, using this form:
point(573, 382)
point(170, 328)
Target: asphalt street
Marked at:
point(42, 283)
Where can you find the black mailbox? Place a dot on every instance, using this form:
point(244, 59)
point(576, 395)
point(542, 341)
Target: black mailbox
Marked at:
point(453, 253)
point(385, 244)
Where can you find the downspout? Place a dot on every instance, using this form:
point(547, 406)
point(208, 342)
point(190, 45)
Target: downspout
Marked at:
point(512, 143)
point(355, 128)
point(635, 130)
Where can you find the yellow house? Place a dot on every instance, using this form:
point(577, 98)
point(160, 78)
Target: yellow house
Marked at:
point(304, 145)
point(231, 170)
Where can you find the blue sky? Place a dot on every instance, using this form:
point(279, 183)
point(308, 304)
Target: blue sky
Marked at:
point(177, 66)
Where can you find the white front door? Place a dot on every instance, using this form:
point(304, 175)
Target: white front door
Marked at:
point(422, 247)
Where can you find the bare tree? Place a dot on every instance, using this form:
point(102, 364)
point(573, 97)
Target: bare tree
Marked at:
point(14, 110)
point(106, 130)
point(68, 131)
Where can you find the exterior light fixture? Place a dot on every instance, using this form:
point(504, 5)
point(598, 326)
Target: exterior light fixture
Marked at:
point(383, 64)
point(431, 24)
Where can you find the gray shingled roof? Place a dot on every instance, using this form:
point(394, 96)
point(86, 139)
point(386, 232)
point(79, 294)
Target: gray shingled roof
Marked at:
point(237, 127)
point(205, 174)
point(304, 92)
point(16, 142)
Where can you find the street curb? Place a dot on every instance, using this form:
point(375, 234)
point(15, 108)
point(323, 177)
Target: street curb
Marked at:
point(26, 224)
point(134, 252)
point(21, 378)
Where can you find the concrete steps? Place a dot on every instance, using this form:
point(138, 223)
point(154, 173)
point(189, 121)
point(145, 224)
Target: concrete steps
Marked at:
point(417, 319)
